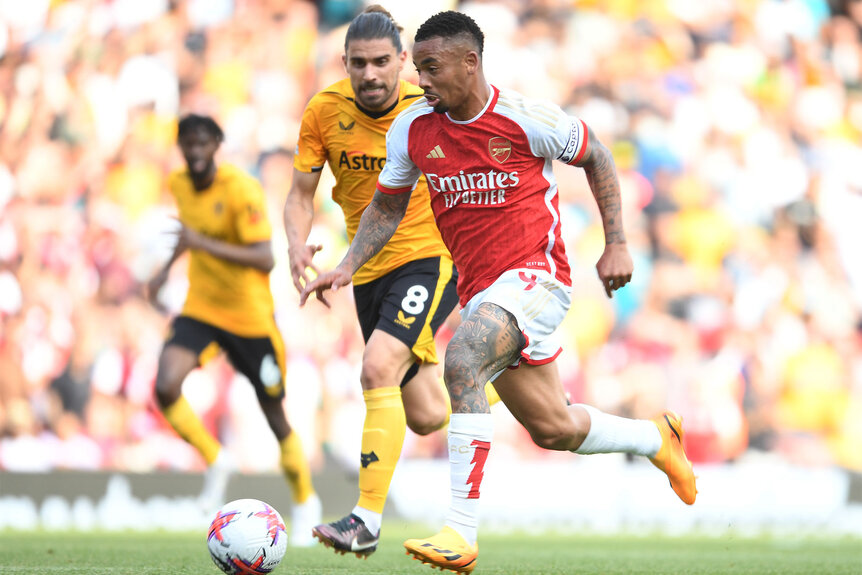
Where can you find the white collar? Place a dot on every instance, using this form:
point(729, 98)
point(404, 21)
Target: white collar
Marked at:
point(479, 115)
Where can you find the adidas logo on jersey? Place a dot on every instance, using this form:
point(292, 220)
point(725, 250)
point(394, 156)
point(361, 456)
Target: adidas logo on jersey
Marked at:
point(436, 153)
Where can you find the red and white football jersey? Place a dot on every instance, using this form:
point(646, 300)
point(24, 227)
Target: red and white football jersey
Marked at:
point(491, 182)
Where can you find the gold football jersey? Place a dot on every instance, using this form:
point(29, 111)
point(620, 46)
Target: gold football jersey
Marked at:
point(335, 130)
point(230, 296)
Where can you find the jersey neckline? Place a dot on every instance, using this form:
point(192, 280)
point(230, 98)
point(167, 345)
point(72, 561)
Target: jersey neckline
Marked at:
point(492, 99)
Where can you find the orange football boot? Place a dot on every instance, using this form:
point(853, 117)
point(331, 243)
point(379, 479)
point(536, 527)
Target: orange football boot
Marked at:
point(671, 457)
point(446, 550)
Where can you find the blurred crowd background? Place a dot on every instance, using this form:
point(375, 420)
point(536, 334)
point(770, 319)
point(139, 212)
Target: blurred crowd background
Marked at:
point(735, 125)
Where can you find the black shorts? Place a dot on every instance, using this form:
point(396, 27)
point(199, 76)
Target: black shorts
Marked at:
point(260, 359)
point(410, 303)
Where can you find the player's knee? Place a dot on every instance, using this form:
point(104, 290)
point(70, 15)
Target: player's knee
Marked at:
point(451, 368)
point(426, 420)
point(377, 372)
point(273, 410)
point(547, 435)
point(460, 360)
point(175, 363)
point(472, 357)
point(169, 384)
point(553, 442)
point(167, 393)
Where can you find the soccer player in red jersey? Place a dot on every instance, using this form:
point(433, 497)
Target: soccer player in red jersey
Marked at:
point(403, 294)
point(487, 155)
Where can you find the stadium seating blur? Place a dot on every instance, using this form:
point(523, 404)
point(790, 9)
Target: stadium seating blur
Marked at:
point(737, 132)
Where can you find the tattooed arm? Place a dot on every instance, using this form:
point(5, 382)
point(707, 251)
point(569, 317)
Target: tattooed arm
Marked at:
point(598, 163)
point(615, 266)
point(379, 222)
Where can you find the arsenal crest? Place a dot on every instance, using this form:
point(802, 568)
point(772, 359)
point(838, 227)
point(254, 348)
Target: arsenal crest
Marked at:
point(500, 148)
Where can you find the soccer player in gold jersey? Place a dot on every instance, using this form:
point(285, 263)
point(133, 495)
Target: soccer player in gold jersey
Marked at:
point(405, 292)
point(229, 307)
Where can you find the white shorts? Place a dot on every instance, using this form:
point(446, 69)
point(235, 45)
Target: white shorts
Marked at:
point(539, 303)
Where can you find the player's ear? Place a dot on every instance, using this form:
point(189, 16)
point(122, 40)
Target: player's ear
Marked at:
point(471, 61)
point(402, 57)
point(344, 61)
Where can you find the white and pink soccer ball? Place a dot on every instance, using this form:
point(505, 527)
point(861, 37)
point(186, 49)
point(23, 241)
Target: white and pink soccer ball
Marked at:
point(247, 537)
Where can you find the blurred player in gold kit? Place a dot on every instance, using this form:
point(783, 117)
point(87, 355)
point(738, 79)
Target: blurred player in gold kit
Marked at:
point(229, 307)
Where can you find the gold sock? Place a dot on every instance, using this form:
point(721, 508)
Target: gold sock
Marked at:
point(490, 392)
point(294, 465)
point(190, 427)
point(382, 437)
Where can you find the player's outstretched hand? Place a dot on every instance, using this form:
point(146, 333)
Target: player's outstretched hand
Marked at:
point(615, 267)
point(300, 263)
point(329, 280)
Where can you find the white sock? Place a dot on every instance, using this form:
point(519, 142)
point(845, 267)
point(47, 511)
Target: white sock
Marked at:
point(469, 445)
point(613, 434)
point(372, 519)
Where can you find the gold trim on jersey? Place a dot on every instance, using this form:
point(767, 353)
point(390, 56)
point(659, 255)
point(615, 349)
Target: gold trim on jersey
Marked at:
point(424, 349)
point(209, 353)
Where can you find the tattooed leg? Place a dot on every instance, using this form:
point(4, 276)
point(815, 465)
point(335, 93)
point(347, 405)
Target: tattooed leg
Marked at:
point(485, 343)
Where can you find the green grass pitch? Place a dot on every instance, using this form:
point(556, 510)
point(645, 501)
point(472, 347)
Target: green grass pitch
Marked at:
point(185, 553)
